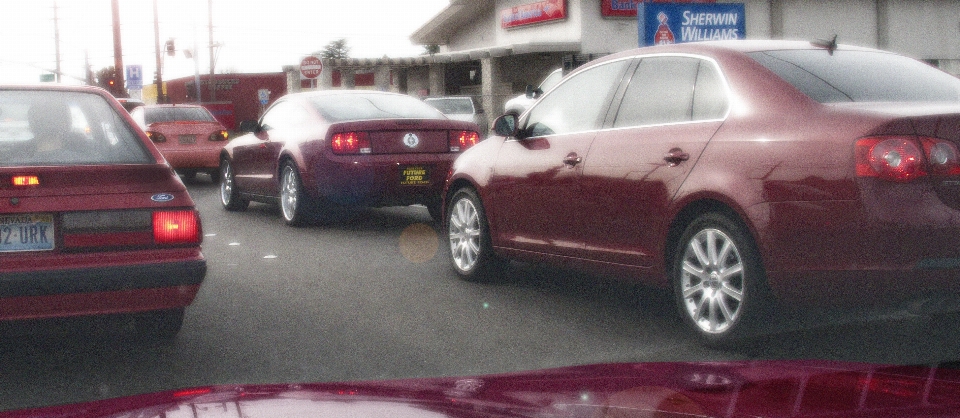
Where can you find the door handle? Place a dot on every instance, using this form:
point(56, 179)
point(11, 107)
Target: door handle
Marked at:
point(676, 156)
point(572, 159)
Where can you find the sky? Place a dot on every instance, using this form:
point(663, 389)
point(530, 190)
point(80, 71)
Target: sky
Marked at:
point(256, 35)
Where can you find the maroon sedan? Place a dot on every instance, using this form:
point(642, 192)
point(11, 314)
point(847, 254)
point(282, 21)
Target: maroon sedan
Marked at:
point(92, 219)
point(318, 151)
point(743, 175)
point(189, 137)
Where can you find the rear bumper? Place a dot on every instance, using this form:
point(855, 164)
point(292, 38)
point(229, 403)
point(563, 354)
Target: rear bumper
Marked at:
point(376, 180)
point(90, 291)
point(193, 159)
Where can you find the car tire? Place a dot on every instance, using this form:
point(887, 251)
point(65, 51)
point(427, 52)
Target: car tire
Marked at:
point(296, 206)
point(719, 283)
point(229, 195)
point(158, 325)
point(214, 175)
point(188, 175)
point(471, 252)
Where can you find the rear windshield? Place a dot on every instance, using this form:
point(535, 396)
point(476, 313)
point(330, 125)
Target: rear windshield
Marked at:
point(860, 76)
point(42, 128)
point(346, 107)
point(452, 106)
point(175, 114)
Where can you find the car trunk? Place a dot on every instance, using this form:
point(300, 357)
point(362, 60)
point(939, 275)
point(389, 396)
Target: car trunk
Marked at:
point(406, 135)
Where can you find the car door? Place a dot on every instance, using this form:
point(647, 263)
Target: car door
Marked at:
point(255, 163)
point(536, 179)
point(669, 111)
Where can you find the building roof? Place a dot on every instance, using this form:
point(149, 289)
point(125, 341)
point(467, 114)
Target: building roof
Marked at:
point(439, 29)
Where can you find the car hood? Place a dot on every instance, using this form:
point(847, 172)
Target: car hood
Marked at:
point(730, 389)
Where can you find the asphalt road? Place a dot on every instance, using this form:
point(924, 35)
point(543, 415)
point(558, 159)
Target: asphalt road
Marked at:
point(373, 297)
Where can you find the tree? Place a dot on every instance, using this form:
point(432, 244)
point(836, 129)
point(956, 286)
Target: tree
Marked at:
point(337, 49)
point(430, 49)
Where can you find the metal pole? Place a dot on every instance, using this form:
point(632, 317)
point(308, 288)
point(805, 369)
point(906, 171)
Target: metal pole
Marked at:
point(117, 51)
point(196, 64)
point(213, 84)
point(156, 43)
point(56, 37)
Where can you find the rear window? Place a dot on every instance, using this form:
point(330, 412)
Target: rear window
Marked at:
point(346, 107)
point(43, 128)
point(176, 114)
point(860, 76)
point(452, 106)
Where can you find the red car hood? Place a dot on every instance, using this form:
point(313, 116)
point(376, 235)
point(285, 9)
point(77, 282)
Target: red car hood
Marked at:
point(732, 389)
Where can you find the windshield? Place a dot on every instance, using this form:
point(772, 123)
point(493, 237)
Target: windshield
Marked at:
point(177, 114)
point(39, 128)
point(351, 228)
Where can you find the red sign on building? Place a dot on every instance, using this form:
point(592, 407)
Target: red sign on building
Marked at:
point(528, 14)
point(628, 8)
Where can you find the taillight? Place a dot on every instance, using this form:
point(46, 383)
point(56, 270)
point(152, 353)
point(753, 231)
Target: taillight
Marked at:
point(156, 137)
point(26, 181)
point(220, 135)
point(461, 140)
point(942, 156)
point(890, 158)
point(176, 227)
point(351, 143)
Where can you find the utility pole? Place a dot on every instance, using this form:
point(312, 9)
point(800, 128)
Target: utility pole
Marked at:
point(56, 37)
point(86, 67)
point(213, 84)
point(156, 43)
point(118, 89)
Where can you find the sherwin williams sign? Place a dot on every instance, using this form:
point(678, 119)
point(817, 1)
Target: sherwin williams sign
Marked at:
point(528, 14)
point(668, 23)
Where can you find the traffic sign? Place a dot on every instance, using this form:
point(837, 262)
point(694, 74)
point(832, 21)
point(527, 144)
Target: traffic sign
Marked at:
point(134, 77)
point(310, 67)
point(264, 96)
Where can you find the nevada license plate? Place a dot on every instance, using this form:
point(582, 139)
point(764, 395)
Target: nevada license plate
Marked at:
point(26, 232)
point(414, 175)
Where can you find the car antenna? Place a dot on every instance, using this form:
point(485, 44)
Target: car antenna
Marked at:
point(830, 45)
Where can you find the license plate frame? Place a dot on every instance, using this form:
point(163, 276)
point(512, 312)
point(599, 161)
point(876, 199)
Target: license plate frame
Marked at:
point(27, 232)
point(187, 139)
point(415, 175)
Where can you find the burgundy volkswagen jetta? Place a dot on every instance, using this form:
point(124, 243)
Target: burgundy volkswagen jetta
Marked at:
point(745, 175)
point(314, 152)
point(92, 218)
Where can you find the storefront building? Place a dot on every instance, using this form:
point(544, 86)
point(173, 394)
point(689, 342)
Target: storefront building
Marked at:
point(491, 49)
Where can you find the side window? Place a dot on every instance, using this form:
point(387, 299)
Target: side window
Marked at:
point(284, 115)
point(661, 91)
point(709, 97)
point(579, 103)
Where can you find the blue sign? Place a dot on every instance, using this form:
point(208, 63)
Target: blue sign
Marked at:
point(134, 77)
point(670, 23)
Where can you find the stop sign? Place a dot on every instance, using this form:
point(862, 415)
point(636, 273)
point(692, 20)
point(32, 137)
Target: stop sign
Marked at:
point(310, 67)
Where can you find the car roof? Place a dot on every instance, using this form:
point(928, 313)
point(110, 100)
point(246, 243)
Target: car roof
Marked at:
point(54, 87)
point(717, 48)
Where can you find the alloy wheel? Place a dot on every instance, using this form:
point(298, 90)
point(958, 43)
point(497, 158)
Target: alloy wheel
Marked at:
point(712, 281)
point(465, 230)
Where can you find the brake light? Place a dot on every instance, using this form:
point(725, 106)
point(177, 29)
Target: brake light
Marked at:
point(24, 181)
point(897, 159)
point(220, 135)
point(351, 143)
point(461, 140)
point(156, 137)
point(176, 227)
point(943, 157)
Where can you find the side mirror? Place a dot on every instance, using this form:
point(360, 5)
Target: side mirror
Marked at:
point(249, 126)
point(506, 125)
point(530, 91)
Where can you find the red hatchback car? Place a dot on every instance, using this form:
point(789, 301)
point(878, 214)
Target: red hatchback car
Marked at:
point(742, 174)
point(189, 137)
point(317, 151)
point(92, 219)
